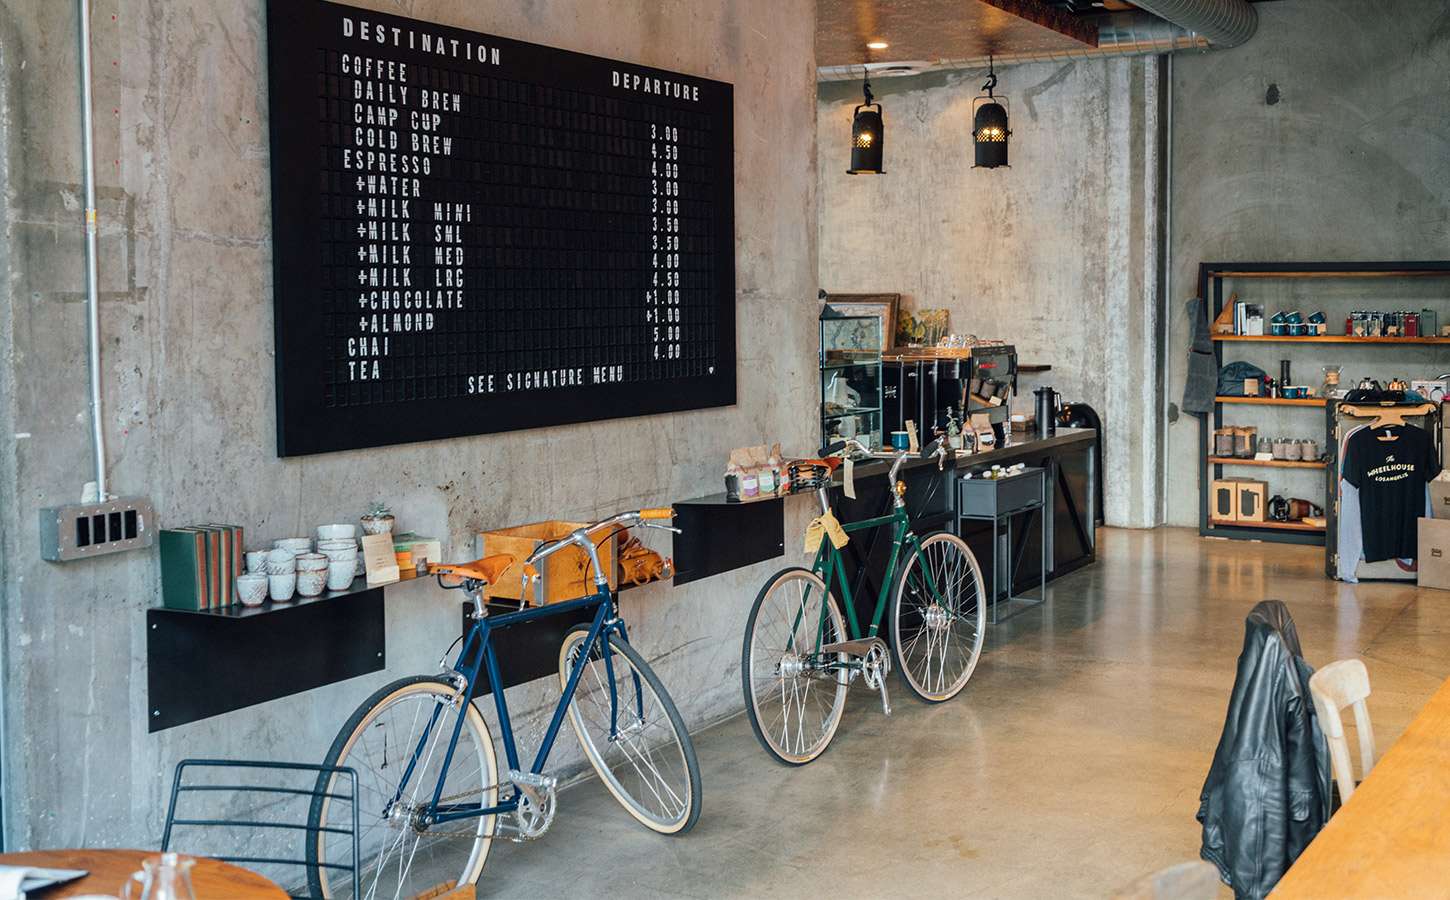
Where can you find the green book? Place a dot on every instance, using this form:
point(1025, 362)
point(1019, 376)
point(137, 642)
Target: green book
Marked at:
point(233, 560)
point(184, 574)
point(218, 587)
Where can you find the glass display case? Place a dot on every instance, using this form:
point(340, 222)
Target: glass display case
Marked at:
point(851, 377)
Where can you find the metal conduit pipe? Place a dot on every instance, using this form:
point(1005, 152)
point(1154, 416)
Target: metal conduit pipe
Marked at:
point(93, 294)
point(1224, 23)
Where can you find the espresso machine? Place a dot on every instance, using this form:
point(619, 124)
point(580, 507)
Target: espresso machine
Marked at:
point(926, 385)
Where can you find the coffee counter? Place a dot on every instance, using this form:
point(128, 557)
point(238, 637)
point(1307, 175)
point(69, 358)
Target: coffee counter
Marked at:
point(757, 535)
point(931, 501)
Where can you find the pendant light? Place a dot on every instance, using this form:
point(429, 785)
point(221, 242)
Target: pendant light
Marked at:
point(868, 133)
point(989, 125)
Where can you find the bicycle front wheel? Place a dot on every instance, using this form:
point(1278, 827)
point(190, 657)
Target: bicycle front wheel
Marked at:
point(794, 695)
point(936, 618)
point(404, 726)
point(631, 732)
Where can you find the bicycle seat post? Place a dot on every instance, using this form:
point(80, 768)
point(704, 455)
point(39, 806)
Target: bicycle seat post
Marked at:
point(823, 495)
point(474, 590)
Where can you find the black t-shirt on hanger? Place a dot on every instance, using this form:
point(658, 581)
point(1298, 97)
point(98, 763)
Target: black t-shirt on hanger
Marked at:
point(1390, 476)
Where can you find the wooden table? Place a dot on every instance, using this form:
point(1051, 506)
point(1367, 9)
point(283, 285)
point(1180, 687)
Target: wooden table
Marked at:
point(111, 869)
point(1392, 839)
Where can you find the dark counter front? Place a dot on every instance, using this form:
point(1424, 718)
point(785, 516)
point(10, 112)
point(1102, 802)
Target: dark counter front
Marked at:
point(1068, 460)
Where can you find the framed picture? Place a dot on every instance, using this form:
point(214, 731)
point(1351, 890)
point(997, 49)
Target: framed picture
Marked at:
point(884, 306)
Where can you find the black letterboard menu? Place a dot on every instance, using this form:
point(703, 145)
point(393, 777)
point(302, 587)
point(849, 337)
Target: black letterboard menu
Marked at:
point(473, 234)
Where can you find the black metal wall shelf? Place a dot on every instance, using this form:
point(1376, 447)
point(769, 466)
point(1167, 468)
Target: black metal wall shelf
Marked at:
point(204, 663)
point(1211, 276)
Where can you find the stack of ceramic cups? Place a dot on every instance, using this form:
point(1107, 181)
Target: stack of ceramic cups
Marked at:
point(339, 544)
point(311, 574)
point(252, 587)
point(282, 570)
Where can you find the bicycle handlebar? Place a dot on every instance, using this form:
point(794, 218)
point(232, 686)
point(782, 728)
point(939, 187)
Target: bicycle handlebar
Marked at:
point(580, 536)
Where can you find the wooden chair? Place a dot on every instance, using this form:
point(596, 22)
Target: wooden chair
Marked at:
point(1195, 880)
point(1337, 685)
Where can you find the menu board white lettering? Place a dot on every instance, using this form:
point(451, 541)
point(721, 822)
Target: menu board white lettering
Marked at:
point(475, 234)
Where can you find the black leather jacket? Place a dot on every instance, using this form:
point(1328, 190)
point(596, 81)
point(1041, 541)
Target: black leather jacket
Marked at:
point(1267, 792)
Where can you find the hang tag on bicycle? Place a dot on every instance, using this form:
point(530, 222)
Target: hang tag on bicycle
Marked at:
point(848, 478)
point(822, 526)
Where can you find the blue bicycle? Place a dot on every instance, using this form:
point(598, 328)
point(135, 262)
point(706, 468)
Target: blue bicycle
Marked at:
point(427, 770)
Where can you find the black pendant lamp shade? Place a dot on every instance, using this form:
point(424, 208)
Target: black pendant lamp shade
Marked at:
point(990, 132)
point(868, 133)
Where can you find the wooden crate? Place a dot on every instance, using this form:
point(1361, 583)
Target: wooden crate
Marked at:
point(563, 576)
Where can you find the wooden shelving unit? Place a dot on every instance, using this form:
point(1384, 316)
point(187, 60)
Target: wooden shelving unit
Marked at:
point(1268, 463)
point(1330, 339)
point(1271, 401)
point(1317, 270)
point(1211, 277)
point(1270, 525)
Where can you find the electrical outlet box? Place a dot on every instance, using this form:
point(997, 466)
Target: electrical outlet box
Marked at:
point(84, 530)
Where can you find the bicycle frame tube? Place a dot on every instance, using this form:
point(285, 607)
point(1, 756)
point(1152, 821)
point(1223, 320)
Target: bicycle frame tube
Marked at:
point(829, 565)
point(478, 654)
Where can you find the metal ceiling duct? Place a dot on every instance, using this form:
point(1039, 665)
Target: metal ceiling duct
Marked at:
point(1122, 34)
point(1166, 26)
point(1224, 23)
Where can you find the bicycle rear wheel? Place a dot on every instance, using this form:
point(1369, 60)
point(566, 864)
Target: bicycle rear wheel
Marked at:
point(794, 705)
point(408, 722)
point(631, 732)
point(936, 618)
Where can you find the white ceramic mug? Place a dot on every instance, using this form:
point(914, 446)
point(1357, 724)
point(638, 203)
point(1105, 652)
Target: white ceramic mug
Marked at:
point(312, 582)
point(311, 562)
point(336, 532)
point(281, 561)
point(281, 587)
point(340, 575)
point(297, 545)
point(257, 562)
point(252, 588)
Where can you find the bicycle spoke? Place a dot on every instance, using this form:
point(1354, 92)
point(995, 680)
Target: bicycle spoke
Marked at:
point(412, 724)
point(628, 735)
point(937, 618)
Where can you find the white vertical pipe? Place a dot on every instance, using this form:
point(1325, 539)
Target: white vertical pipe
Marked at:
point(1165, 312)
point(93, 310)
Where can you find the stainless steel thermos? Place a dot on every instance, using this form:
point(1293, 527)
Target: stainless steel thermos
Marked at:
point(1047, 400)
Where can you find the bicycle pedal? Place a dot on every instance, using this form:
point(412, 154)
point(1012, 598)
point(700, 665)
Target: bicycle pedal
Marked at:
point(530, 783)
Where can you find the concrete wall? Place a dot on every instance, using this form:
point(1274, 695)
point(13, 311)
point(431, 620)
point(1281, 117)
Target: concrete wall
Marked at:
point(1056, 254)
point(1326, 137)
point(187, 319)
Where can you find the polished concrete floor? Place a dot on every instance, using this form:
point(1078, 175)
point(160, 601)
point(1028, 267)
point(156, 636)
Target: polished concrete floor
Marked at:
point(1070, 765)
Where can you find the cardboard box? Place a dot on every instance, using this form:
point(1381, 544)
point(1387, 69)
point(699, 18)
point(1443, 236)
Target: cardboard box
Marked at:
point(1440, 498)
point(1434, 553)
point(1223, 500)
point(1253, 497)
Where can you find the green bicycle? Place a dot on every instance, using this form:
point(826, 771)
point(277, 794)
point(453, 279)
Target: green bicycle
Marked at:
point(800, 658)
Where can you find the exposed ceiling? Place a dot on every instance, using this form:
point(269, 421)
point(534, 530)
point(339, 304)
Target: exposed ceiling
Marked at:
point(926, 34)
point(930, 30)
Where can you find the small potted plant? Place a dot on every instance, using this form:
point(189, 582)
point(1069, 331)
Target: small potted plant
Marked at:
point(379, 519)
